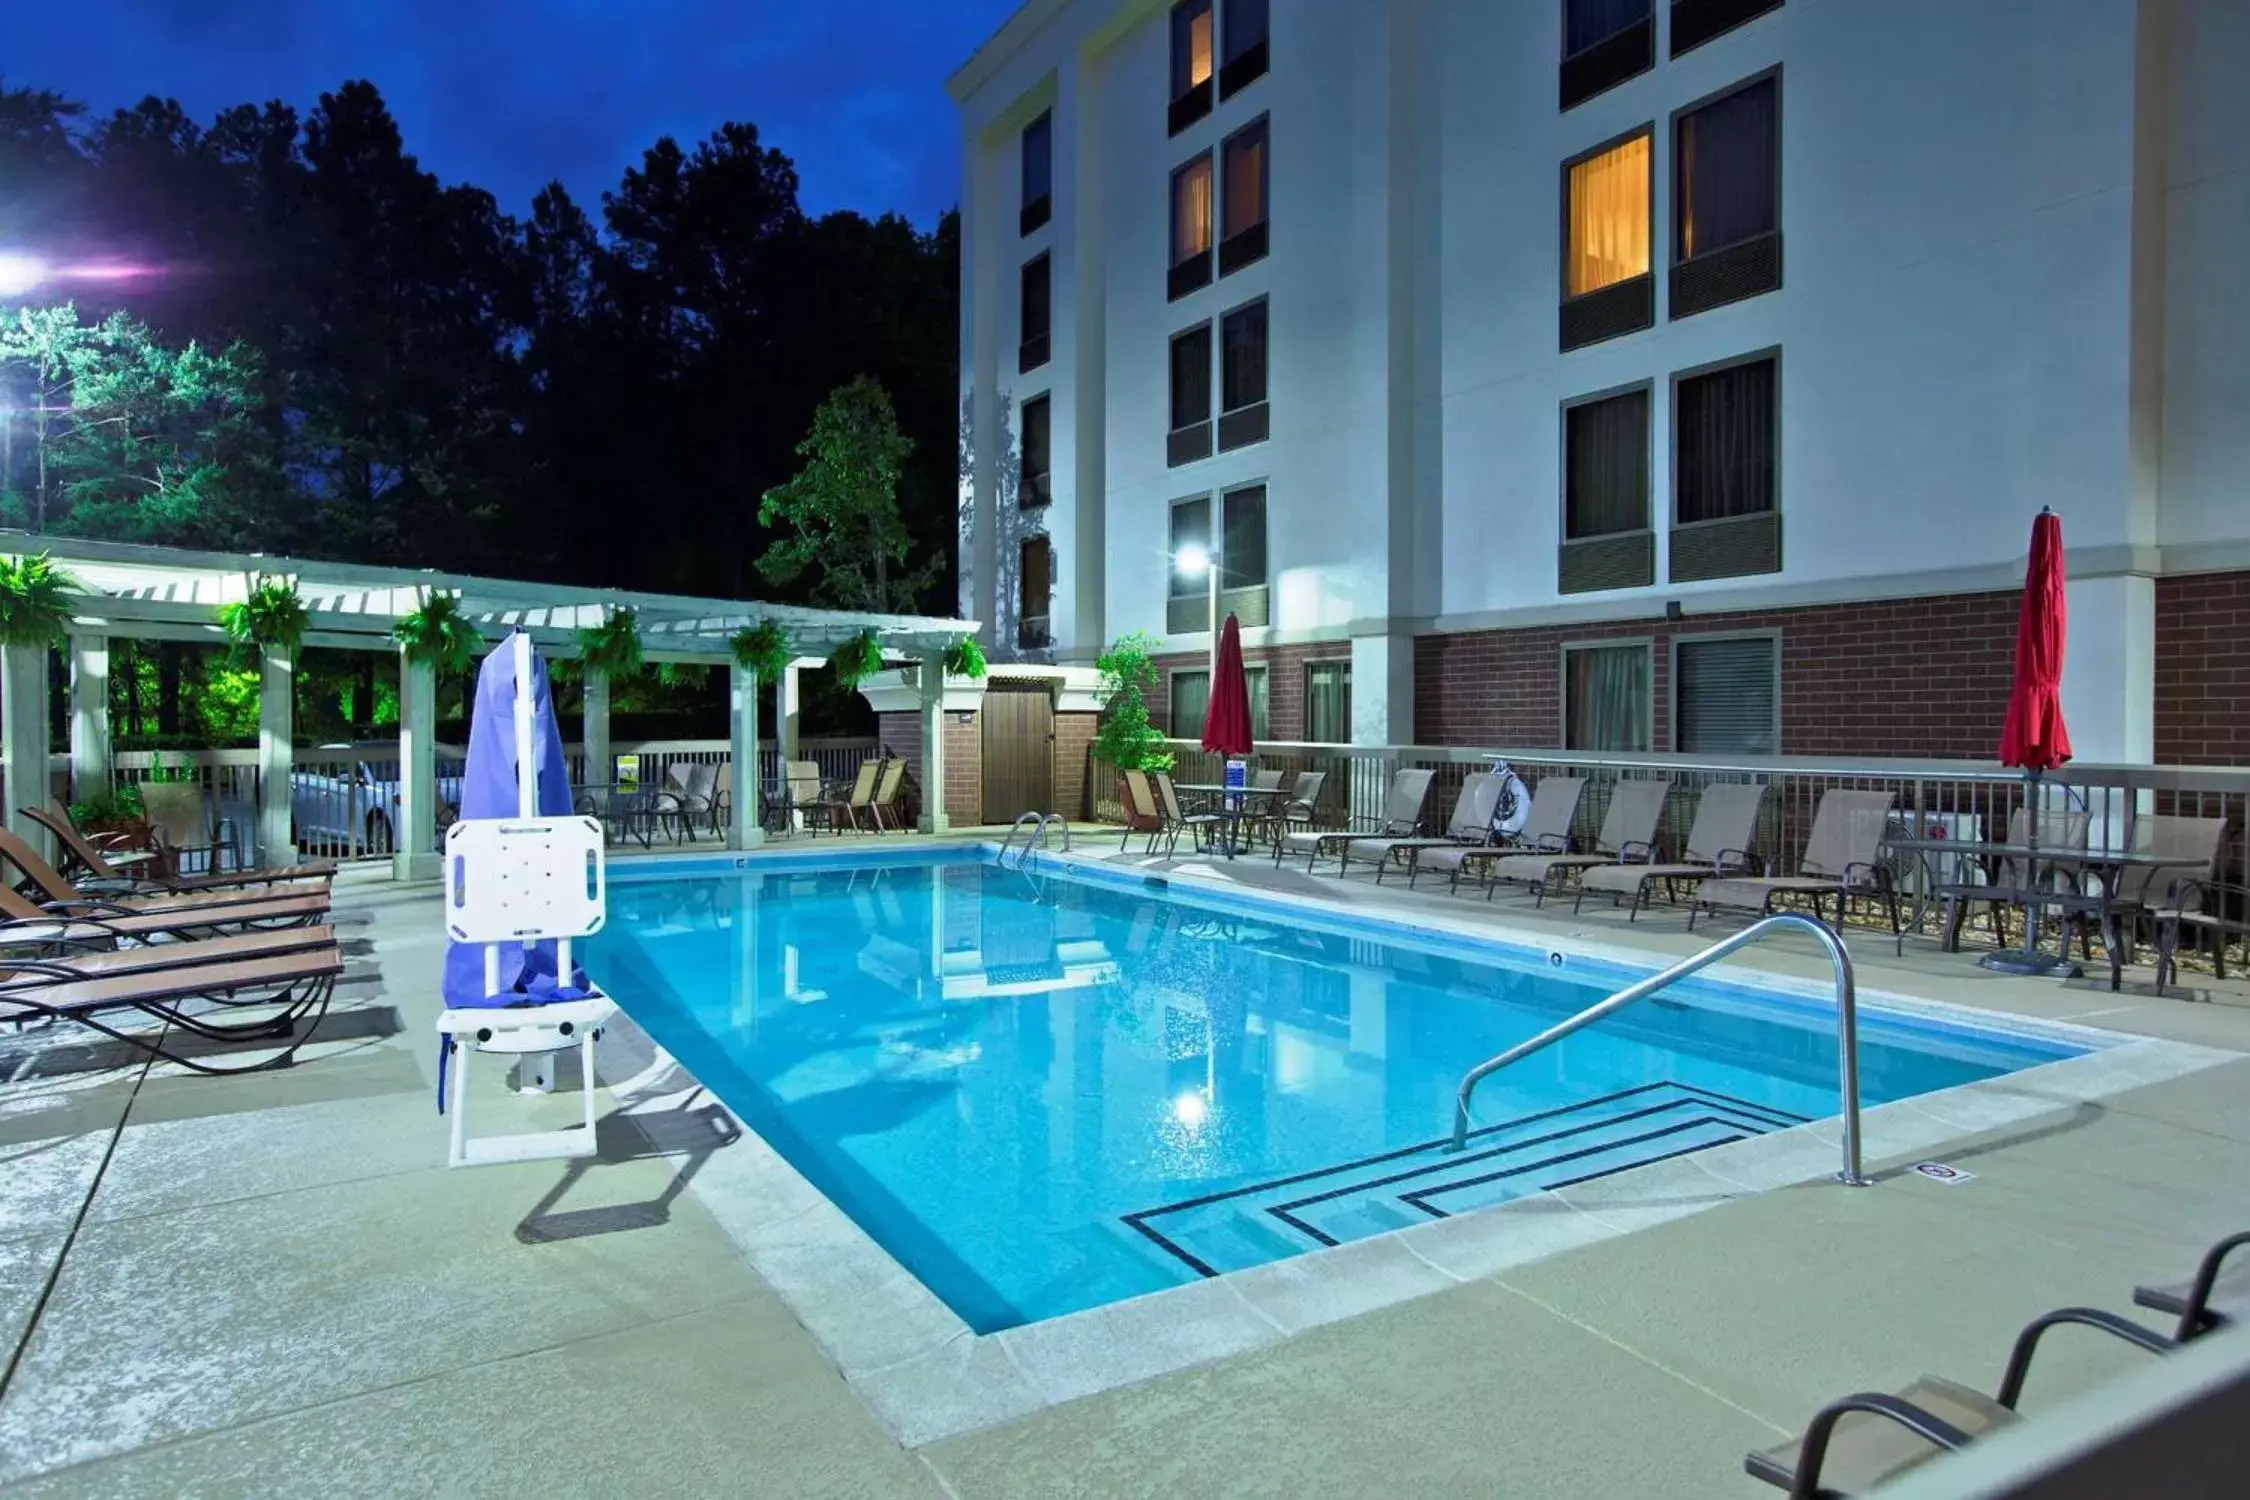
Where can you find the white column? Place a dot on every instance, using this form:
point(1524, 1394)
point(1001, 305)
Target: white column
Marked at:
point(1383, 689)
point(2109, 670)
point(23, 731)
point(593, 734)
point(933, 818)
point(89, 715)
point(414, 852)
point(743, 829)
point(788, 705)
point(277, 702)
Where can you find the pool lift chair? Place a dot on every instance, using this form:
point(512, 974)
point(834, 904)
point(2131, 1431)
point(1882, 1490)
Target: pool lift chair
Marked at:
point(511, 884)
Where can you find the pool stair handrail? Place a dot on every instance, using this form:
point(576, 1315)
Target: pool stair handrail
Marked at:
point(1036, 838)
point(1847, 1025)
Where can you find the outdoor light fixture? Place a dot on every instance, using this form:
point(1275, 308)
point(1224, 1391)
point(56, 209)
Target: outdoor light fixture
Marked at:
point(19, 273)
point(1198, 562)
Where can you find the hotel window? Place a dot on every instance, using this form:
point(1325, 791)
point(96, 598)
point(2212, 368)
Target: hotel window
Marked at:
point(1607, 541)
point(1038, 173)
point(1034, 593)
point(1191, 228)
point(1191, 64)
point(1695, 22)
point(1191, 701)
point(1606, 697)
point(1605, 42)
point(1242, 384)
point(1328, 702)
point(1038, 426)
point(1726, 695)
point(1726, 521)
point(1186, 607)
point(1607, 289)
point(1190, 437)
point(1037, 315)
point(1246, 49)
point(1242, 229)
point(1726, 198)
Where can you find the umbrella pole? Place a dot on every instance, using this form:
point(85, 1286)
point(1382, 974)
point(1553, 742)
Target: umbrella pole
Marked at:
point(2028, 959)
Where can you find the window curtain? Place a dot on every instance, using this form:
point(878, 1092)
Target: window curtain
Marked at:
point(1246, 26)
point(1243, 339)
point(1191, 527)
point(1726, 442)
point(1191, 695)
point(1035, 443)
point(1038, 158)
point(1034, 581)
point(1726, 695)
point(1609, 218)
point(1035, 299)
point(1606, 466)
point(1607, 691)
point(1586, 22)
point(1254, 680)
point(1728, 167)
point(1191, 210)
point(1244, 555)
point(1246, 180)
point(1191, 378)
point(1191, 47)
point(1328, 702)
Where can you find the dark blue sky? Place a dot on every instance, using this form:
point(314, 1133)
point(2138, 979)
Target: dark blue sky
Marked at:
point(512, 93)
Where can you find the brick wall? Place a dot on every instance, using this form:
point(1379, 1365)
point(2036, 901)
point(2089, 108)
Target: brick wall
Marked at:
point(1074, 736)
point(1903, 677)
point(964, 761)
point(1285, 682)
point(2203, 669)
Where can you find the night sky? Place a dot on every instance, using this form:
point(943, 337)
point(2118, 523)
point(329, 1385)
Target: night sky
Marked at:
point(510, 94)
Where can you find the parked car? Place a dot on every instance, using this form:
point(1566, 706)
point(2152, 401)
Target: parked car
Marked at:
point(322, 805)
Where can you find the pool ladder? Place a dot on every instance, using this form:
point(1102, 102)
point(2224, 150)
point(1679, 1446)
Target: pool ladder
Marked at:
point(1036, 837)
point(1847, 1025)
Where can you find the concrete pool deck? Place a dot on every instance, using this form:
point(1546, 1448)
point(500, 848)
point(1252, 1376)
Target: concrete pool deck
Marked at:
point(271, 1285)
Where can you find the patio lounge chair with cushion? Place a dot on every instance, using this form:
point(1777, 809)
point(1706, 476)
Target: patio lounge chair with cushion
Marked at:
point(189, 998)
point(1402, 818)
point(1470, 824)
point(1627, 836)
point(1718, 844)
point(1864, 1440)
point(1546, 830)
point(1847, 834)
point(61, 896)
point(886, 809)
point(853, 803)
point(2208, 1300)
point(101, 874)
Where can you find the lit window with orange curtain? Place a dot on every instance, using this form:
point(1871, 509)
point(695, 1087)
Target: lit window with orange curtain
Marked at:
point(1607, 218)
point(1191, 210)
point(1192, 49)
point(1245, 153)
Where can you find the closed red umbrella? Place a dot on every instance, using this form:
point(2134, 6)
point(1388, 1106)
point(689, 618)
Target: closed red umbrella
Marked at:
point(2033, 734)
point(1226, 724)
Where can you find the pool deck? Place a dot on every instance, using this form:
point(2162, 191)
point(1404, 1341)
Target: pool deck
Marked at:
point(270, 1285)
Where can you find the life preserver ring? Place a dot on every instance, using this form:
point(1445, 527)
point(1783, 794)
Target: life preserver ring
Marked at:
point(1512, 808)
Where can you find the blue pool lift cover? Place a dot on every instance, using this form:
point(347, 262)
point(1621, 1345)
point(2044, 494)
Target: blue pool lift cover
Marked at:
point(490, 788)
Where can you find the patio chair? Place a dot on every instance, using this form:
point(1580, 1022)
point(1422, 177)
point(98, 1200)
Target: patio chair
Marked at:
point(854, 802)
point(1546, 830)
point(1718, 844)
point(1402, 818)
point(2172, 895)
point(2207, 1300)
point(1300, 806)
point(61, 896)
point(888, 806)
point(1199, 824)
point(2061, 831)
point(1144, 806)
point(180, 813)
point(186, 999)
point(1469, 823)
point(694, 789)
point(801, 788)
point(1864, 1440)
point(103, 874)
point(1627, 836)
point(1839, 860)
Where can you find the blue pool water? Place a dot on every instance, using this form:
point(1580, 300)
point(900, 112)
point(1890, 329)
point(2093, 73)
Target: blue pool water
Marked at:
point(1044, 1095)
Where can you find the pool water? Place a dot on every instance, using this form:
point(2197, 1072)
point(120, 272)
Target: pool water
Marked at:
point(1044, 1093)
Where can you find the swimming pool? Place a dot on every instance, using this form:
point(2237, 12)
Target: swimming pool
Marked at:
point(1045, 1093)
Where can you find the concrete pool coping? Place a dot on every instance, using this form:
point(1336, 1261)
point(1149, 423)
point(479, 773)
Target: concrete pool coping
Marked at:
point(928, 1376)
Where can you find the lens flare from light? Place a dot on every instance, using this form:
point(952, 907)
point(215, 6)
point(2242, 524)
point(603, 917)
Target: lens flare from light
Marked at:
point(1194, 562)
point(1191, 1110)
point(20, 273)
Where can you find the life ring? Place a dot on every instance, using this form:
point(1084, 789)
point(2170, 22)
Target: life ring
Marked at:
point(1512, 809)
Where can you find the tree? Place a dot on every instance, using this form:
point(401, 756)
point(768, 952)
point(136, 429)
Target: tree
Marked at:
point(840, 514)
point(41, 352)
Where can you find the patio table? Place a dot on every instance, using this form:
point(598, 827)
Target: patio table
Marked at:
point(1234, 805)
point(627, 811)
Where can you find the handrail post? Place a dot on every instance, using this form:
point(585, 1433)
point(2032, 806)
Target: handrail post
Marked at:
point(1847, 1026)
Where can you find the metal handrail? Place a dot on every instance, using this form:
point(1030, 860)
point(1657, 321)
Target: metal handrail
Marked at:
point(1037, 838)
point(1847, 1026)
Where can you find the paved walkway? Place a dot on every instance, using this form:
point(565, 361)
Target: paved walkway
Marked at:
point(271, 1286)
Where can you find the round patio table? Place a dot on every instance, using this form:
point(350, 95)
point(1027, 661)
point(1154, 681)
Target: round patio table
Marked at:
point(1234, 805)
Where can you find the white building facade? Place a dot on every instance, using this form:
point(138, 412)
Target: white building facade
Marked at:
point(1618, 374)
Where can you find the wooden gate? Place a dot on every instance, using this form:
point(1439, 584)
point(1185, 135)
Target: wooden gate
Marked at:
point(1019, 750)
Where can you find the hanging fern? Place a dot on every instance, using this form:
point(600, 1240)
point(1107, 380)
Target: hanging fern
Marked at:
point(272, 615)
point(35, 601)
point(614, 646)
point(762, 650)
point(856, 660)
point(966, 659)
point(437, 634)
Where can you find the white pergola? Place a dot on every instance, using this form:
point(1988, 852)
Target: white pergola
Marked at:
point(172, 594)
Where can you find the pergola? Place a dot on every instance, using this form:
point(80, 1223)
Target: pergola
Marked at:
point(171, 594)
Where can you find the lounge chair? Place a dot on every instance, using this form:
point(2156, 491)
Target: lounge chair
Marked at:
point(1198, 823)
point(1402, 818)
point(853, 803)
point(885, 809)
point(61, 895)
point(180, 813)
point(1300, 806)
point(288, 988)
point(145, 958)
point(103, 924)
point(1864, 1440)
point(1627, 836)
point(2206, 1300)
point(105, 876)
point(1839, 861)
point(1718, 844)
point(1470, 824)
point(1546, 830)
